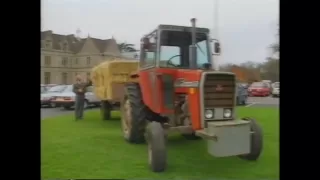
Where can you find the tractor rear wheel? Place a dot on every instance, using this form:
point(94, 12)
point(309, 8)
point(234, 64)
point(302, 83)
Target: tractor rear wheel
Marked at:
point(256, 143)
point(105, 110)
point(133, 114)
point(157, 153)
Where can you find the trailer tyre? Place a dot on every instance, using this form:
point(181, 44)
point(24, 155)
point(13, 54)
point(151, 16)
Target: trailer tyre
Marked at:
point(105, 110)
point(133, 114)
point(157, 154)
point(256, 141)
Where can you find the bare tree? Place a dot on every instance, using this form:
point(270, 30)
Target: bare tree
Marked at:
point(271, 66)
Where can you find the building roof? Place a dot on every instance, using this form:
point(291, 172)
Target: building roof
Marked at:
point(76, 44)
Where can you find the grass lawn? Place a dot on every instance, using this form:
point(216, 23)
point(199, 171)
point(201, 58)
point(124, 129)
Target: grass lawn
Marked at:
point(93, 148)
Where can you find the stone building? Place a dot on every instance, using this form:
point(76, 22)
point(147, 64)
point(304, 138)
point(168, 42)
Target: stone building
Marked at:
point(65, 56)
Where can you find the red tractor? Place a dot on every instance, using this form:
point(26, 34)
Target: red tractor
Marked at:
point(177, 90)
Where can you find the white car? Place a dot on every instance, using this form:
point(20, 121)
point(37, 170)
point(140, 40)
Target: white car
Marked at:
point(66, 99)
point(276, 89)
point(47, 95)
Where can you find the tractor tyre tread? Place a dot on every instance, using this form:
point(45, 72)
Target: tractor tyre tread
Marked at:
point(138, 114)
point(157, 142)
point(256, 141)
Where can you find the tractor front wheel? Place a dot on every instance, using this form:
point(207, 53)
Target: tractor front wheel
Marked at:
point(157, 153)
point(133, 114)
point(256, 143)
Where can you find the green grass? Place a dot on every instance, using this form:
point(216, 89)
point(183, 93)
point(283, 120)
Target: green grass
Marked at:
point(93, 148)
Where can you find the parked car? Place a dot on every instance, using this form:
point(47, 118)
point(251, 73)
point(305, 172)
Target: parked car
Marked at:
point(47, 95)
point(43, 88)
point(276, 89)
point(66, 99)
point(259, 89)
point(242, 94)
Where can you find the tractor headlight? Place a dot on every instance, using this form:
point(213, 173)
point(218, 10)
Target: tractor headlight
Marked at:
point(227, 113)
point(208, 113)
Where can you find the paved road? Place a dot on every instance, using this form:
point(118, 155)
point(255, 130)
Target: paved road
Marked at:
point(252, 102)
point(263, 102)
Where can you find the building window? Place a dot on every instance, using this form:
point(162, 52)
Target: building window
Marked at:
point(88, 60)
point(65, 46)
point(47, 60)
point(76, 61)
point(47, 77)
point(64, 79)
point(48, 43)
point(64, 61)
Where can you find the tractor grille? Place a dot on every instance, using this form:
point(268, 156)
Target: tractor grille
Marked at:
point(219, 90)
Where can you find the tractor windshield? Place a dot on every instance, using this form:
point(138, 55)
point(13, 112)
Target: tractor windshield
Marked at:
point(174, 49)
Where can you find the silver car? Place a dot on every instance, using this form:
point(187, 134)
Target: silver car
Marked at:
point(276, 89)
point(66, 99)
point(47, 96)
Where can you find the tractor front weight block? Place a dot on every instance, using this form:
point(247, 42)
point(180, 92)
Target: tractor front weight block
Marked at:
point(227, 138)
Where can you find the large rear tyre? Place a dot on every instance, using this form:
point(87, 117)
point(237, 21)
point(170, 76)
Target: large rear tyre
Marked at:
point(133, 114)
point(157, 154)
point(256, 141)
point(105, 110)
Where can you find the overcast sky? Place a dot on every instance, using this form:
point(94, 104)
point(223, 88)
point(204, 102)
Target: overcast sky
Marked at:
point(246, 27)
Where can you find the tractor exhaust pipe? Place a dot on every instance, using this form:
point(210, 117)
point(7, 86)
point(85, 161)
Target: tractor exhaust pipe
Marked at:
point(193, 31)
point(193, 48)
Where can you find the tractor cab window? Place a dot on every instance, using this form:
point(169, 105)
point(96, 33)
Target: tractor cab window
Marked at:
point(170, 56)
point(148, 53)
point(202, 53)
point(174, 49)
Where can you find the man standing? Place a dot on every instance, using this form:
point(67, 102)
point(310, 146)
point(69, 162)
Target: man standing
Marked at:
point(79, 88)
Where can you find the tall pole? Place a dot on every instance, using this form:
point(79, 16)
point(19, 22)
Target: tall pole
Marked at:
point(215, 58)
point(216, 18)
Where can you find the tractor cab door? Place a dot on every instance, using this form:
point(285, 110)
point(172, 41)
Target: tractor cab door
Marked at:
point(147, 75)
point(157, 84)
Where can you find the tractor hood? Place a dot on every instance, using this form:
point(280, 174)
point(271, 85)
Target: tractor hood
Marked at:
point(186, 79)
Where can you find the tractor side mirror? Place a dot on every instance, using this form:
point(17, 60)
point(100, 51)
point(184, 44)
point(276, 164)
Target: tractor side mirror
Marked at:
point(216, 47)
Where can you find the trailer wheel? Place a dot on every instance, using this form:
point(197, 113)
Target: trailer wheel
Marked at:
point(256, 143)
point(133, 114)
point(105, 110)
point(157, 153)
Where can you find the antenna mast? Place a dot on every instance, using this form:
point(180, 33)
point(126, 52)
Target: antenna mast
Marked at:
point(215, 58)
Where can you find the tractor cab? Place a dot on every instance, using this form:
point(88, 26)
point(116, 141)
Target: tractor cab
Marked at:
point(179, 47)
